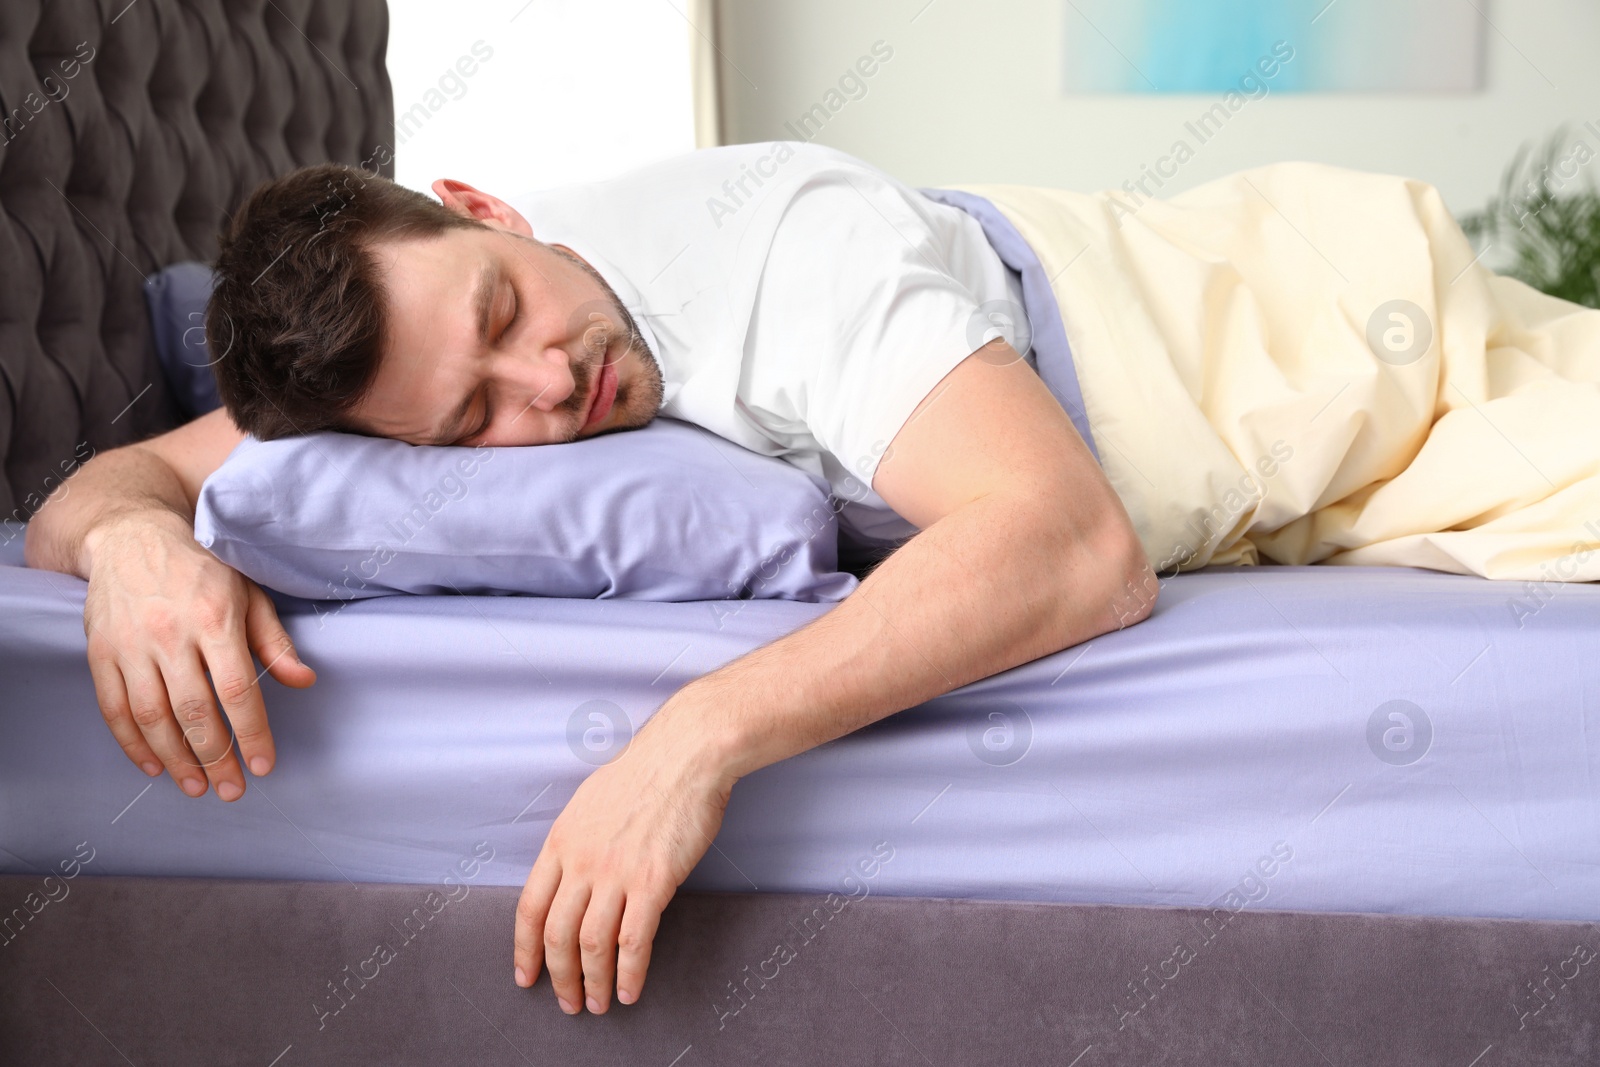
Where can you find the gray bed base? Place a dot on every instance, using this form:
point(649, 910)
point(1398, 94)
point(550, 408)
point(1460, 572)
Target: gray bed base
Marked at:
point(284, 974)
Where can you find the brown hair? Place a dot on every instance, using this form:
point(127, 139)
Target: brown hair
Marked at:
point(296, 319)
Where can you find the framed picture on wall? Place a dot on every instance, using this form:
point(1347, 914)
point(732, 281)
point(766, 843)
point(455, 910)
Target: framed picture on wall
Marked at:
point(1208, 46)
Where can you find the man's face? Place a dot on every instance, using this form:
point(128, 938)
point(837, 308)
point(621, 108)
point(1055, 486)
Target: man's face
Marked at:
point(497, 339)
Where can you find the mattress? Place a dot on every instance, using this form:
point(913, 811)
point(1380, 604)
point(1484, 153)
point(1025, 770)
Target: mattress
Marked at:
point(1337, 739)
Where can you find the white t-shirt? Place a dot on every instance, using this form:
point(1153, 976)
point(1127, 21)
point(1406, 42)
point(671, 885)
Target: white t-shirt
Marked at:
point(800, 302)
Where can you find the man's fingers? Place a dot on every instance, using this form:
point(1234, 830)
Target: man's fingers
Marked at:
point(147, 697)
point(204, 729)
point(532, 908)
point(597, 946)
point(637, 934)
point(561, 956)
point(271, 644)
point(112, 695)
point(233, 676)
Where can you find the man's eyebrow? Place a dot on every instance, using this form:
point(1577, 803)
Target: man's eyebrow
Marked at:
point(483, 299)
point(483, 292)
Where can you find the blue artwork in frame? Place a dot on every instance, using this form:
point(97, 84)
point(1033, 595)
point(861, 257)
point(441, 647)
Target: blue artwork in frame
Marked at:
point(1207, 46)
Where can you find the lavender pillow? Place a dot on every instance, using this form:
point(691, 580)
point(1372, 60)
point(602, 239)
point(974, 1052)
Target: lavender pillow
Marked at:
point(176, 296)
point(666, 512)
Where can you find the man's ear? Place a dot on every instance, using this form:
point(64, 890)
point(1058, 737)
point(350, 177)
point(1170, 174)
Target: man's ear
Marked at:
point(463, 199)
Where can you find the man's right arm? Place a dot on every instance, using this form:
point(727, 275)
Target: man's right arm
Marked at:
point(161, 610)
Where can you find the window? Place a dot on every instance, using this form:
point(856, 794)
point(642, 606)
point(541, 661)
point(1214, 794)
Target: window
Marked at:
point(516, 95)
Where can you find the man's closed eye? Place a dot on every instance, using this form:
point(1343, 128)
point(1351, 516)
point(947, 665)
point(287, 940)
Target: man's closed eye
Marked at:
point(488, 409)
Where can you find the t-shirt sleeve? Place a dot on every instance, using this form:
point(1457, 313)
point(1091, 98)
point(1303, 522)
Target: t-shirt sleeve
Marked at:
point(869, 296)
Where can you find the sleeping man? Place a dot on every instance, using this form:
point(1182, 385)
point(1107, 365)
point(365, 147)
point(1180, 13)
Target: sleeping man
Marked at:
point(825, 320)
point(1297, 363)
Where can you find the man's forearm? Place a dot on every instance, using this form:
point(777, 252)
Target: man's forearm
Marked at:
point(123, 482)
point(993, 585)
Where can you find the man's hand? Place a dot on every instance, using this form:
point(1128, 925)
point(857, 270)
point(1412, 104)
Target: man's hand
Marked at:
point(616, 855)
point(160, 612)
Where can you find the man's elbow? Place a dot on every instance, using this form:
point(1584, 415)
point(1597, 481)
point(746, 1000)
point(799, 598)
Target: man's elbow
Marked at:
point(1134, 598)
point(1127, 590)
point(1095, 577)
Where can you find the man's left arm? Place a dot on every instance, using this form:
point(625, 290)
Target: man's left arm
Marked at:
point(1024, 550)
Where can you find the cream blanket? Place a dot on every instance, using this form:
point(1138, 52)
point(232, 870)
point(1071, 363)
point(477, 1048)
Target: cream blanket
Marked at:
point(1309, 364)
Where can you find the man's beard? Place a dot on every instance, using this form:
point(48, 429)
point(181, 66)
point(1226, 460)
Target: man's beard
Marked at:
point(646, 385)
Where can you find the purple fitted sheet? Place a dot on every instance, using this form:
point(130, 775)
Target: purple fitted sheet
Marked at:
point(1235, 742)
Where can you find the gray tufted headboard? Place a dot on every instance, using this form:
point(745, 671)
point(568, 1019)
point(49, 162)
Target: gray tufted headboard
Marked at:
point(128, 132)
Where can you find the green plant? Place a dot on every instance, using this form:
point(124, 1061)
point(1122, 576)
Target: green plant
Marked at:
point(1547, 218)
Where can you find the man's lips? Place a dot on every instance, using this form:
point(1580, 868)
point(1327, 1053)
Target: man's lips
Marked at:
point(605, 393)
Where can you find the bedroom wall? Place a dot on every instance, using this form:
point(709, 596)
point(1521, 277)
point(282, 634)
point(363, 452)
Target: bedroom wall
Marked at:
point(971, 93)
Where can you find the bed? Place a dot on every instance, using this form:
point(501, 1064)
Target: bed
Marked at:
point(1299, 815)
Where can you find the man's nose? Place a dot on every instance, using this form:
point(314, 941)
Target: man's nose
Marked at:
point(543, 380)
